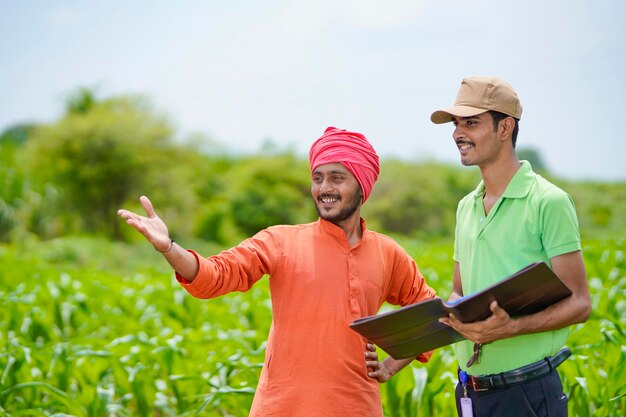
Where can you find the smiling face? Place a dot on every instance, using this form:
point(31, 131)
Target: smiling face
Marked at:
point(477, 140)
point(336, 192)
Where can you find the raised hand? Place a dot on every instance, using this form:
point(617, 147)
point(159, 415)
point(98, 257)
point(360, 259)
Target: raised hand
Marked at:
point(151, 226)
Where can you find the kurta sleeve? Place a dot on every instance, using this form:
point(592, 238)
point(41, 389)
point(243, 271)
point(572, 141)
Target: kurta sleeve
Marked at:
point(235, 269)
point(408, 286)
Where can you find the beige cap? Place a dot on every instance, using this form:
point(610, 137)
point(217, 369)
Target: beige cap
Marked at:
point(478, 95)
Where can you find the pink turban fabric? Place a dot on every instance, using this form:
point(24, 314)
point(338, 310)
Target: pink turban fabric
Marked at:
point(353, 151)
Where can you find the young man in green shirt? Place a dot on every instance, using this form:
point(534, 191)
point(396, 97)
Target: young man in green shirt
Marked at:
point(513, 218)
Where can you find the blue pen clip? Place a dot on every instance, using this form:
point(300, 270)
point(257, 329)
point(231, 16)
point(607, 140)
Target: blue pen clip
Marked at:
point(463, 380)
point(463, 377)
point(466, 403)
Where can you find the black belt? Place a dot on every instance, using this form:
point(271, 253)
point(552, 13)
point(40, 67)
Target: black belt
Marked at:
point(517, 376)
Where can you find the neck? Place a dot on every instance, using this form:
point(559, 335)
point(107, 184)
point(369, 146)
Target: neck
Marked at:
point(497, 175)
point(352, 228)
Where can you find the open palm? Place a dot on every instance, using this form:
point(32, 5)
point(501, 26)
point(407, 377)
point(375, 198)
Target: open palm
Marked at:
point(151, 226)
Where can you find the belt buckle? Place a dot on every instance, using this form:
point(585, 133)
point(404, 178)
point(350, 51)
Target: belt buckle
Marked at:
point(474, 385)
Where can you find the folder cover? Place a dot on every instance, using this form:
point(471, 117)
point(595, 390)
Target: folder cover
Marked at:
point(410, 330)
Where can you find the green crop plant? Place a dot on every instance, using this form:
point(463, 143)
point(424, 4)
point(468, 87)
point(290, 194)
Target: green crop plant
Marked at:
point(94, 328)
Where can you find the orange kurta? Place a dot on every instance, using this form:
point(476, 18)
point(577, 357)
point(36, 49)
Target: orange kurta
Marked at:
point(314, 363)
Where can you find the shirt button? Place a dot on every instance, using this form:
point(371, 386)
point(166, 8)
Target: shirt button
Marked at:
point(482, 219)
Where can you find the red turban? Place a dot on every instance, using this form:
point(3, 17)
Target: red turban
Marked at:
point(353, 151)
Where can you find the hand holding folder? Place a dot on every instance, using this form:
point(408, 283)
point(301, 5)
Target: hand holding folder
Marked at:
point(414, 329)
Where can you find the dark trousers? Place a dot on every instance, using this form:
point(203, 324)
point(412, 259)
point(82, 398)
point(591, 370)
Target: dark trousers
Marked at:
point(542, 397)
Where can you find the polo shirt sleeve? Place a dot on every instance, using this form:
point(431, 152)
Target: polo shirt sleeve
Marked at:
point(235, 269)
point(559, 225)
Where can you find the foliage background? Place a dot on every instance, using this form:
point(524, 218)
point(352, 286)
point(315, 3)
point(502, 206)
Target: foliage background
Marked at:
point(93, 323)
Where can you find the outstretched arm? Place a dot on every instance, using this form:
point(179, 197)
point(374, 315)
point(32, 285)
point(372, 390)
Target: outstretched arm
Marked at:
point(155, 231)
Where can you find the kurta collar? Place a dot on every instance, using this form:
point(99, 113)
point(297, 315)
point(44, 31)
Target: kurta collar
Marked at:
point(337, 232)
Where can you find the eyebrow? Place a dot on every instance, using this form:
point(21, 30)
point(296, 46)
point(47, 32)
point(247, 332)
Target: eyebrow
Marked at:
point(333, 172)
point(457, 119)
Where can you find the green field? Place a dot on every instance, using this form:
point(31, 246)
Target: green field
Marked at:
point(94, 328)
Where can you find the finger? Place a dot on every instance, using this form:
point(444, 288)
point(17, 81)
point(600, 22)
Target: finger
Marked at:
point(147, 206)
point(125, 213)
point(370, 346)
point(497, 311)
point(500, 314)
point(140, 227)
point(451, 322)
point(137, 224)
point(448, 321)
point(371, 355)
point(373, 362)
point(128, 215)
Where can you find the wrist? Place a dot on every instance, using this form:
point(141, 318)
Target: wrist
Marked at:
point(168, 249)
point(516, 327)
point(391, 365)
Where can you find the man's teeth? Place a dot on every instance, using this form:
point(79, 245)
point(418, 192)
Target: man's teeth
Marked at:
point(328, 200)
point(464, 146)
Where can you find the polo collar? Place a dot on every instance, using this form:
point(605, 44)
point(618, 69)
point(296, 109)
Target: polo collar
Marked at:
point(518, 187)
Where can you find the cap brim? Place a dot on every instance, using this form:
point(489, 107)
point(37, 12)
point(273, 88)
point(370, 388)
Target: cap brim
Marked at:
point(445, 116)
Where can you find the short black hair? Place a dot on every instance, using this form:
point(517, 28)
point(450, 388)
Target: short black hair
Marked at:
point(497, 117)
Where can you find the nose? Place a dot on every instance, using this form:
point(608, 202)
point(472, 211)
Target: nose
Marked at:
point(458, 133)
point(326, 186)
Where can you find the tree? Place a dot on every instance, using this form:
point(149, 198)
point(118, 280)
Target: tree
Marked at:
point(258, 192)
point(81, 101)
point(95, 157)
point(418, 199)
point(12, 179)
point(272, 190)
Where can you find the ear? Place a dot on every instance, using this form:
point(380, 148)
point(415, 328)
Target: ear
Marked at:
point(505, 128)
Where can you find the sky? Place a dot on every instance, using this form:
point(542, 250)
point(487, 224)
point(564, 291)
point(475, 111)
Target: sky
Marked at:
point(242, 73)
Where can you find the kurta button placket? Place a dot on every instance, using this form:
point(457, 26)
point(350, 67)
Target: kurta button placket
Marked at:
point(354, 287)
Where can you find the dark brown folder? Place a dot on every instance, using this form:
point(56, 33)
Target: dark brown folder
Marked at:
point(408, 331)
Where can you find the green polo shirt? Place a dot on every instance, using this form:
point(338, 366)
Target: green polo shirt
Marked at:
point(534, 220)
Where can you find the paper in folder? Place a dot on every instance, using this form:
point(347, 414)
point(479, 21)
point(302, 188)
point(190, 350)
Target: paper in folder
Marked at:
point(410, 330)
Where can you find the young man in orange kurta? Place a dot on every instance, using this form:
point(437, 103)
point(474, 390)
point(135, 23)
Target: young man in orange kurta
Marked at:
point(323, 276)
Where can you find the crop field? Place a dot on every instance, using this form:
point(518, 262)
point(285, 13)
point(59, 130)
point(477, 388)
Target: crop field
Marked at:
point(94, 328)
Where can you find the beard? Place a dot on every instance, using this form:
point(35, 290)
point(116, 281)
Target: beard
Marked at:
point(346, 212)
